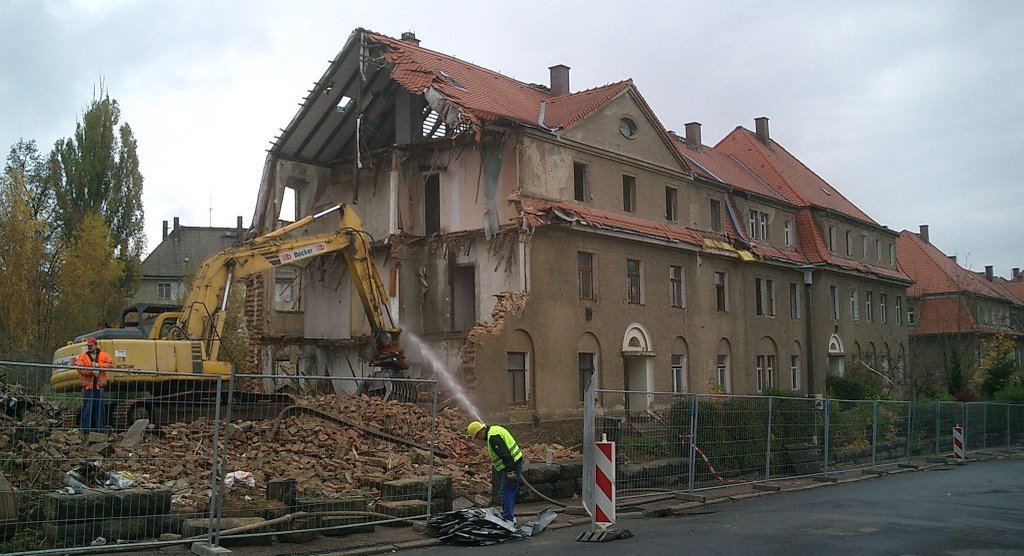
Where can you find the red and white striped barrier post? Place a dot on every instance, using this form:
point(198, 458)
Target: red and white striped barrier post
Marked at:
point(958, 442)
point(604, 476)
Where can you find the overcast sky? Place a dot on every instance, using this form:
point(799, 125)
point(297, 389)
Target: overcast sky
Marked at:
point(913, 110)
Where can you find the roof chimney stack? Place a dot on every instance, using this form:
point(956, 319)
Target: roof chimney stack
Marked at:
point(988, 272)
point(693, 135)
point(175, 224)
point(165, 230)
point(410, 37)
point(924, 233)
point(761, 129)
point(238, 227)
point(952, 258)
point(559, 80)
point(1014, 274)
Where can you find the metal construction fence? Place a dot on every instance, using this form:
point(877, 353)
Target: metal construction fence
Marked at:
point(692, 442)
point(169, 461)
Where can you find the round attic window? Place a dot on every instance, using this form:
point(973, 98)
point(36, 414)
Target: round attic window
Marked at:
point(628, 128)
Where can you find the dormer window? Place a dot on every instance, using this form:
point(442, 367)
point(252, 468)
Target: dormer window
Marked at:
point(627, 127)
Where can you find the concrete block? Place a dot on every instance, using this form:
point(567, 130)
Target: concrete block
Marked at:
point(204, 549)
point(135, 434)
point(283, 490)
point(416, 487)
point(355, 503)
point(403, 508)
point(767, 487)
point(540, 473)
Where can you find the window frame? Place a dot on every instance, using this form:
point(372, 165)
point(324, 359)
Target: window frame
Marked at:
point(794, 372)
point(512, 384)
point(634, 282)
point(788, 230)
point(883, 308)
point(585, 275)
point(849, 243)
point(677, 291)
point(680, 373)
point(869, 306)
point(899, 310)
point(854, 305)
point(671, 204)
point(716, 215)
point(629, 193)
point(722, 291)
point(833, 291)
point(794, 301)
point(581, 181)
point(592, 369)
point(722, 373)
point(764, 297)
point(832, 238)
point(163, 287)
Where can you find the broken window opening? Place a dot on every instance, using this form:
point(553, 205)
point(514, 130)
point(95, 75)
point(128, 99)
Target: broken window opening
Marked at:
point(432, 205)
point(433, 126)
point(463, 296)
point(343, 104)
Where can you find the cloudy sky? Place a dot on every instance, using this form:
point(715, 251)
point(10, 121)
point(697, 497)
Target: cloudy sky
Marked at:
point(914, 110)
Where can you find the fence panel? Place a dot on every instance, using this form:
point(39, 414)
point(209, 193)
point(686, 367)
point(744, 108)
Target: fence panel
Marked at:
point(650, 430)
point(94, 466)
point(797, 434)
point(948, 415)
point(974, 423)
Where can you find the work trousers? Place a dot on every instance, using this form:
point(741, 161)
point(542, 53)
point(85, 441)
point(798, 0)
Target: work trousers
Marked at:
point(94, 415)
point(510, 490)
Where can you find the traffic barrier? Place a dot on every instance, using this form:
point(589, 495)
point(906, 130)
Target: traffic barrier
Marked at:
point(604, 475)
point(958, 442)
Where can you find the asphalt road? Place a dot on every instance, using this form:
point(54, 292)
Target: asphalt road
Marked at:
point(965, 510)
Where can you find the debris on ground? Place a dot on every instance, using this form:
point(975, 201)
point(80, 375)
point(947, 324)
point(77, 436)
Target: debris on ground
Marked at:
point(484, 526)
point(325, 458)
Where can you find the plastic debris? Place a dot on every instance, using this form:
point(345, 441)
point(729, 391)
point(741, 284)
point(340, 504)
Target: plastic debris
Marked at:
point(243, 478)
point(118, 481)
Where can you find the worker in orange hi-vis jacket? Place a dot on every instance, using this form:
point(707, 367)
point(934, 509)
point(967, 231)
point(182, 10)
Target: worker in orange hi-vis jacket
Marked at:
point(92, 375)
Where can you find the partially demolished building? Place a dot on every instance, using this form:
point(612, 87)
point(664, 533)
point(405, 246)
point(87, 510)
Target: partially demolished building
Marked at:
point(537, 236)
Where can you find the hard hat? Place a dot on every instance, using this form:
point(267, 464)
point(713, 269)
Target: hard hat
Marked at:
point(91, 341)
point(474, 427)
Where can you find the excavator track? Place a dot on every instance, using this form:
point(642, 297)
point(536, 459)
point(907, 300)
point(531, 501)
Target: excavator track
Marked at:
point(125, 412)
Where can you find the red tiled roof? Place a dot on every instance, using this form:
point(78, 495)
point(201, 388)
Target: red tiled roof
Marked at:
point(934, 273)
point(540, 212)
point(944, 315)
point(483, 95)
point(717, 166)
point(784, 173)
point(812, 244)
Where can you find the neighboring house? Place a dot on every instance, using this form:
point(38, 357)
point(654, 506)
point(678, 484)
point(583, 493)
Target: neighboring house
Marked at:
point(535, 237)
point(951, 311)
point(167, 269)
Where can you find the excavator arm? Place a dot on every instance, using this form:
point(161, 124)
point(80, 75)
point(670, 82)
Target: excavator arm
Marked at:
point(204, 308)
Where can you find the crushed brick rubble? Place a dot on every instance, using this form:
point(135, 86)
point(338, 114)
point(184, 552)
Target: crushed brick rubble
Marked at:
point(324, 458)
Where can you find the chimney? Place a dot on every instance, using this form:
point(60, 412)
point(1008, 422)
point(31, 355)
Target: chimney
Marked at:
point(693, 135)
point(924, 233)
point(165, 230)
point(1014, 273)
point(761, 129)
point(559, 79)
point(410, 38)
point(238, 227)
point(175, 224)
point(952, 258)
point(988, 272)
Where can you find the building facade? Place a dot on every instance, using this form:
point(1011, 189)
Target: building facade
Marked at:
point(951, 312)
point(534, 237)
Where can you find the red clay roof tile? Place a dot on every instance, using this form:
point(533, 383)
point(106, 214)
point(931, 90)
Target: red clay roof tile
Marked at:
point(794, 181)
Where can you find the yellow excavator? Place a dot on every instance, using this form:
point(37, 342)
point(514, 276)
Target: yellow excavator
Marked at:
point(183, 343)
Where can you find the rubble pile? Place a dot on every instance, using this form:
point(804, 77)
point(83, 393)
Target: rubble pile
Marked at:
point(326, 459)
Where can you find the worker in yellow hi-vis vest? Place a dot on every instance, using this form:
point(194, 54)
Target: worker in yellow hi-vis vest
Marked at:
point(506, 457)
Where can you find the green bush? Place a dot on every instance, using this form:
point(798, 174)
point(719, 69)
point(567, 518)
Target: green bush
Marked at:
point(1011, 394)
point(850, 388)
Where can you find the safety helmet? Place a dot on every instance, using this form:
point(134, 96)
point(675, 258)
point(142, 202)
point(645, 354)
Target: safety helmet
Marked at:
point(474, 427)
point(91, 341)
